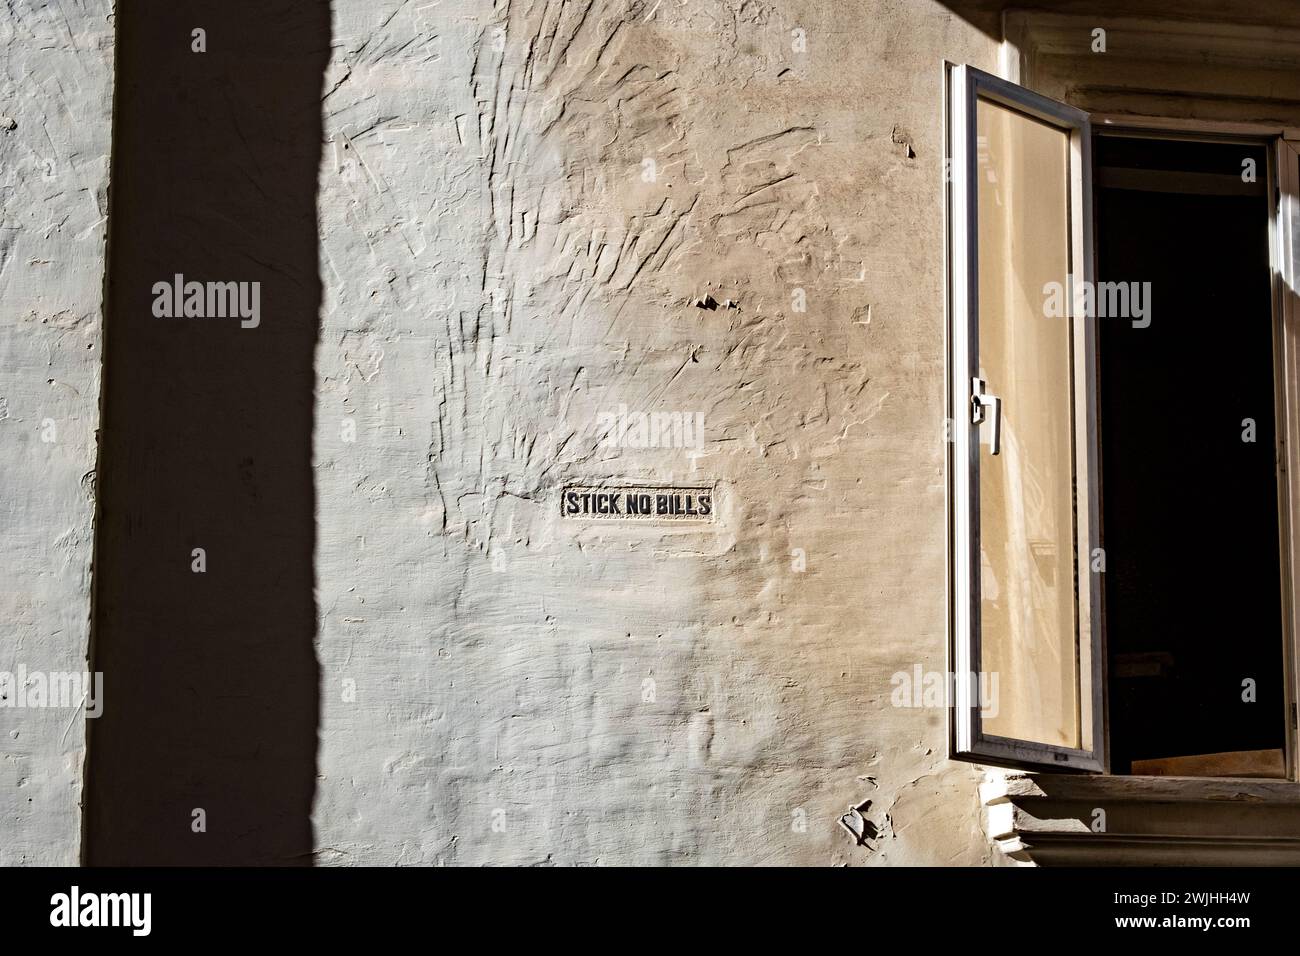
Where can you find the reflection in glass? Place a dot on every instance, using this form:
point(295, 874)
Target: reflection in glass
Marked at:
point(1026, 494)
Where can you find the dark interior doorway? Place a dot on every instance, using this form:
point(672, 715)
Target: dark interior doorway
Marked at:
point(1193, 602)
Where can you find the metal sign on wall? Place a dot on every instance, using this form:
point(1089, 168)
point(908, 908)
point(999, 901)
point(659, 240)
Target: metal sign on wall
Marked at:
point(637, 503)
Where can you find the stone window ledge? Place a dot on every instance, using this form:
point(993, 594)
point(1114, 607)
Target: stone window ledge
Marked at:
point(1087, 820)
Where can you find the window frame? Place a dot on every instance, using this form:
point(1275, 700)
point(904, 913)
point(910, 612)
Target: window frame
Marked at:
point(965, 84)
point(1284, 247)
point(1283, 185)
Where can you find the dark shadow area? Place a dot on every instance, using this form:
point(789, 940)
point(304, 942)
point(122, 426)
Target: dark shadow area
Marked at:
point(1189, 479)
point(211, 681)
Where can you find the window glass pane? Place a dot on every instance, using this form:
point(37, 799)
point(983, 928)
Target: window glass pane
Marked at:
point(1026, 493)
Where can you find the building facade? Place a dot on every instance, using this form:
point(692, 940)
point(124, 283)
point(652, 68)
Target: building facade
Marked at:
point(318, 437)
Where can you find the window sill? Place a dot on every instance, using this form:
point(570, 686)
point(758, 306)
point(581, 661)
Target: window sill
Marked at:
point(1085, 820)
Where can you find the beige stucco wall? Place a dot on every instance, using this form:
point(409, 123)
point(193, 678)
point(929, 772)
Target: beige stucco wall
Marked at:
point(498, 272)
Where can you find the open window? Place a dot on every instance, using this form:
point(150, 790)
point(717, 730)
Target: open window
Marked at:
point(1118, 595)
point(1025, 604)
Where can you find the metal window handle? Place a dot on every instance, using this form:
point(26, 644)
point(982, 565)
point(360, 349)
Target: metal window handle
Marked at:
point(979, 402)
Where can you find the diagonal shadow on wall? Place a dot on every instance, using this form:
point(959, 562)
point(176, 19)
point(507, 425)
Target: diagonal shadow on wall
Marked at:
point(211, 685)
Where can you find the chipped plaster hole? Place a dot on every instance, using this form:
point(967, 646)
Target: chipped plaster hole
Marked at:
point(900, 137)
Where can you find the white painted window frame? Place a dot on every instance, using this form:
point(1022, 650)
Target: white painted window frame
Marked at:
point(1285, 249)
point(968, 739)
point(1283, 183)
point(1030, 37)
